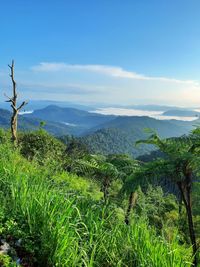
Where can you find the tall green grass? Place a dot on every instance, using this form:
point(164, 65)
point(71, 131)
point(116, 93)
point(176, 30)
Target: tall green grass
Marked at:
point(67, 228)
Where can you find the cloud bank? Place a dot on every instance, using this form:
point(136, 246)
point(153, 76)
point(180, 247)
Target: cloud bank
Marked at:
point(112, 71)
point(101, 84)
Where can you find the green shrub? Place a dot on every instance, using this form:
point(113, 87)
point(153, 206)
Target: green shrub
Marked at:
point(157, 207)
point(5, 136)
point(6, 261)
point(41, 146)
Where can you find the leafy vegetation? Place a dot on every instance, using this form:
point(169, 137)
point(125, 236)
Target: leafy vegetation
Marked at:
point(61, 206)
point(41, 146)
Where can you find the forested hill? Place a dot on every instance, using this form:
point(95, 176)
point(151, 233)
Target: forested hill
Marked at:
point(101, 133)
point(119, 135)
point(76, 117)
point(166, 128)
point(28, 123)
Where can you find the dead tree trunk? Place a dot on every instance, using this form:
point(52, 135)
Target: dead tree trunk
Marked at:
point(131, 204)
point(15, 109)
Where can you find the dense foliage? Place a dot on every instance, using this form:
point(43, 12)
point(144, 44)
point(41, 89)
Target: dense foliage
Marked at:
point(41, 146)
point(61, 206)
point(119, 135)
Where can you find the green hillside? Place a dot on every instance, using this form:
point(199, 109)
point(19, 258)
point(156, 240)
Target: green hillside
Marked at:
point(60, 207)
point(50, 217)
point(119, 135)
point(29, 123)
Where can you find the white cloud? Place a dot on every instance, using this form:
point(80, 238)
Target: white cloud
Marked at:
point(100, 83)
point(111, 71)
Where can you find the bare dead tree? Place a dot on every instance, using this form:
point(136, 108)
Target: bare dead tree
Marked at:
point(15, 108)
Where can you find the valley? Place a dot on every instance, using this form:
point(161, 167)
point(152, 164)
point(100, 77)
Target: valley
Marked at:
point(104, 134)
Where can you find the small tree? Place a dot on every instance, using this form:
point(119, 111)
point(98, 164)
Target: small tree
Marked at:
point(15, 108)
point(131, 169)
point(42, 147)
point(132, 183)
point(96, 167)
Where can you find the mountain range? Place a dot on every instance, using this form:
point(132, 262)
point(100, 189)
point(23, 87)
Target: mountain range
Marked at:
point(28, 123)
point(119, 135)
point(181, 113)
point(70, 116)
point(106, 134)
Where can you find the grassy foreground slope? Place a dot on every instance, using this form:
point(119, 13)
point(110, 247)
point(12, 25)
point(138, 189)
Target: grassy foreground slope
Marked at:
point(50, 223)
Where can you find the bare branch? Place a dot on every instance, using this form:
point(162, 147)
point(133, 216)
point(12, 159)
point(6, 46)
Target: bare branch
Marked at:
point(10, 99)
point(22, 104)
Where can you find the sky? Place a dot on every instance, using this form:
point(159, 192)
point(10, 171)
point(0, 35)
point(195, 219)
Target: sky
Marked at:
point(109, 51)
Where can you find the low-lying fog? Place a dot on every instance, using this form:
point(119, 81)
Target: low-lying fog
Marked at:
point(136, 112)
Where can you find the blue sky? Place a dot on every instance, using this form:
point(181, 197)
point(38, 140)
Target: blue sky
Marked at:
point(113, 51)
